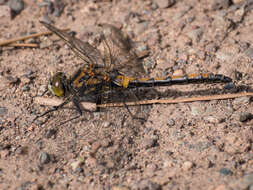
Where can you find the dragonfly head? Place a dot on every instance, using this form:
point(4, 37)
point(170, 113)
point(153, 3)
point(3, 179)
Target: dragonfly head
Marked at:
point(57, 84)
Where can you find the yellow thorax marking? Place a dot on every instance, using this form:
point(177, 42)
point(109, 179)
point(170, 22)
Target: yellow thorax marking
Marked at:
point(92, 81)
point(124, 80)
point(78, 78)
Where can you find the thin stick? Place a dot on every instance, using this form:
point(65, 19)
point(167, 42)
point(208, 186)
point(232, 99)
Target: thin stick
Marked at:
point(26, 37)
point(22, 45)
point(92, 106)
point(175, 101)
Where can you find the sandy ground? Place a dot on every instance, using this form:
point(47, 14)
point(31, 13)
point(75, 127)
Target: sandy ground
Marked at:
point(199, 145)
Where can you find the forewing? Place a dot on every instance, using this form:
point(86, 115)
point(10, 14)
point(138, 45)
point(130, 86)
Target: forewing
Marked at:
point(123, 57)
point(82, 49)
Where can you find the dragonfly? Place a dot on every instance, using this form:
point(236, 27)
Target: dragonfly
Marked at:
point(117, 68)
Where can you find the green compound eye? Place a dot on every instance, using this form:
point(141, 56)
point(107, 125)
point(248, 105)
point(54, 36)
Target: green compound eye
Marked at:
point(56, 84)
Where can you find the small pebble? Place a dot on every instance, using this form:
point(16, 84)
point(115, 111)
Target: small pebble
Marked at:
point(245, 117)
point(187, 165)
point(16, 5)
point(225, 171)
point(171, 122)
point(50, 133)
point(149, 143)
point(195, 35)
point(21, 150)
point(25, 88)
point(120, 187)
point(220, 4)
point(249, 53)
point(213, 119)
point(178, 72)
point(75, 165)
point(148, 185)
point(196, 110)
point(248, 179)
point(106, 124)
point(2, 2)
point(237, 1)
point(241, 101)
point(3, 111)
point(165, 3)
point(45, 43)
point(44, 158)
point(140, 28)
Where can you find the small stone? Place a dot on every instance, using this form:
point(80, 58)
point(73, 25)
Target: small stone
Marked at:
point(75, 165)
point(241, 101)
point(178, 72)
point(90, 161)
point(220, 4)
point(147, 184)
point(248, 179)
point(150, 169)
point(120, 187)
point(165, 3)
point(249, 53)
point(12, 79)
point(142, 48)
point(187, 165)
point(3, 111)
point(149, 143)
point(25, 185)
point(154, 6)
point(16, 5)
point(44, 158)
point(196, 110)
point(245, 117)
point(22, 150)
point(45, 43)
point(211, 48)
point(25, 88)
point(58, 8)
point(212, 119)
point(140, 28)
point(106, 124)
point(2, 2)
point(225, 171)
point(171, 122)
point(237, 1)
point(243, 46)
point(50, 133)
point(195, 35)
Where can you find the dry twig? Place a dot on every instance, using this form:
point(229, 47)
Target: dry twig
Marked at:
point(6, 42)
point(22, 45)
point(92, 106)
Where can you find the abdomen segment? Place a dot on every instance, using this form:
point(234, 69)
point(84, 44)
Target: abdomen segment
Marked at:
point(177, 80)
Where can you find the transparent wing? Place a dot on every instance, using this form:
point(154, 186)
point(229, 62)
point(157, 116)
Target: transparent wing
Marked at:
point(121, 54)
point(82, 49)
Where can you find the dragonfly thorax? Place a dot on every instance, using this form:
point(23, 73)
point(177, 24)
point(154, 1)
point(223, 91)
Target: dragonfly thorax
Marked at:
point(57, 84)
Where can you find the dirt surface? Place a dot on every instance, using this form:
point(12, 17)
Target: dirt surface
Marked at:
point(199, 145)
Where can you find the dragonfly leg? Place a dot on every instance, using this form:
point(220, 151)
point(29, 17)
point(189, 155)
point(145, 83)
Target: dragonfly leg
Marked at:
point(128, 110)
point(77, 105)
point(55, 108)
